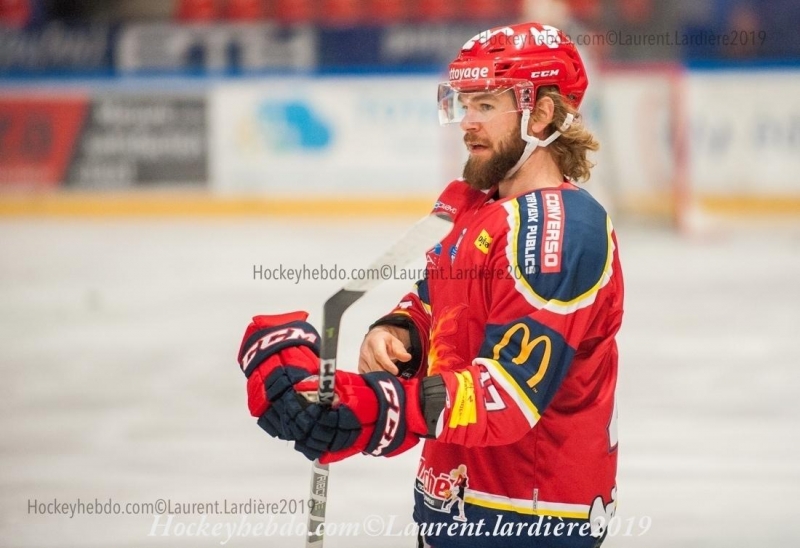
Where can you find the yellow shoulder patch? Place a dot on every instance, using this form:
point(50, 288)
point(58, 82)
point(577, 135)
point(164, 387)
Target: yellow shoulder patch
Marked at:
point(483, 242)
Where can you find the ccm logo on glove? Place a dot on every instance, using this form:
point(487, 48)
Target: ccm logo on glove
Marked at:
point(273, 338)
point(392, 416)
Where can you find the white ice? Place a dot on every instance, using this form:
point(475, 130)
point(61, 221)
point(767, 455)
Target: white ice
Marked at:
point(117, 354)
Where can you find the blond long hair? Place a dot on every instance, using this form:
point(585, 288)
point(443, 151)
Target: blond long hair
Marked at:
point(571, 148)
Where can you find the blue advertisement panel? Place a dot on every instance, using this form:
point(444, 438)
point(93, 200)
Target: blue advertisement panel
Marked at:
point(398, 47)
point(57, 48)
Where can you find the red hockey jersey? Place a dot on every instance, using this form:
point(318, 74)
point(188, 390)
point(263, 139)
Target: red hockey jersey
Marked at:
point(520, 307)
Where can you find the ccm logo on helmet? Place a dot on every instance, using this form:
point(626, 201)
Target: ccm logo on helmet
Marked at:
point(274, 337)
point(469, 72)
point(544, 73)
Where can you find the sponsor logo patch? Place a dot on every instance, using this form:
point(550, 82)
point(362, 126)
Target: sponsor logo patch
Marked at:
point(473, 71)
point(483, 242)
point(465, 409)
point(432, 256)
point(443, 492)
point(553, 239)
point(455, 246)
point(441, 206)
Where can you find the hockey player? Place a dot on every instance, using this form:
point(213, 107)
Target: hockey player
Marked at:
point(503, 359)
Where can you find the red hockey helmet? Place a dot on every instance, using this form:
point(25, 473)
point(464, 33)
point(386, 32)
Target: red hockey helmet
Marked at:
point(521, 57)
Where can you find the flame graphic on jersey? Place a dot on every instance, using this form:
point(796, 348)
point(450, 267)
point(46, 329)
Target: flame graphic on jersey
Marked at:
point(442, 355)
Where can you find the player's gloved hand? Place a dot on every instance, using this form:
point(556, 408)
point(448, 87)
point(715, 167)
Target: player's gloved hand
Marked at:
point(276, 352)
point(374, 413)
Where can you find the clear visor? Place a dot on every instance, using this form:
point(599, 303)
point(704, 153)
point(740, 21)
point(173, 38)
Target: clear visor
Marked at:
point(475, 104)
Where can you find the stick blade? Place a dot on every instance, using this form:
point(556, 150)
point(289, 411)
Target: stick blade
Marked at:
point(420, 238)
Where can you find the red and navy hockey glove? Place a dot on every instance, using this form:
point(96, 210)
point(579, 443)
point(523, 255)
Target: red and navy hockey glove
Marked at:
point(374, 413)
point(277, 352)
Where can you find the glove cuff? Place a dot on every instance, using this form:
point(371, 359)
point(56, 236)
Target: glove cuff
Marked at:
point(390, 426)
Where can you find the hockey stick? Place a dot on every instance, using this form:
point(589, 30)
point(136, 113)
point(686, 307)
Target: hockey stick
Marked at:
point(419, 239)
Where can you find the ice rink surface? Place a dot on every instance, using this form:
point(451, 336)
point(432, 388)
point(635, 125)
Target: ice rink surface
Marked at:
point(119, 381)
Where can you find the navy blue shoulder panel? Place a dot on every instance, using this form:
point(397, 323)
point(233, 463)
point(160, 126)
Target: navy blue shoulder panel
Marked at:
point(563, 243)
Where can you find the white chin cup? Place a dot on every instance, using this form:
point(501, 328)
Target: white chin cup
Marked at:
point(533, 142)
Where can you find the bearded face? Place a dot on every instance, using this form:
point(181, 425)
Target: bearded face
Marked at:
point(489, 162)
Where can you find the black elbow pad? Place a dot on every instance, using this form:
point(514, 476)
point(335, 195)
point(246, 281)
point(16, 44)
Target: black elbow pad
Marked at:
point(433, 397)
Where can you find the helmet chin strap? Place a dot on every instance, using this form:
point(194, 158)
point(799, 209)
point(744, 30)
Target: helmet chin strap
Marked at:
point(533, 142)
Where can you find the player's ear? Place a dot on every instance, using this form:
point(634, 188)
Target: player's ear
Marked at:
point(542, 115)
